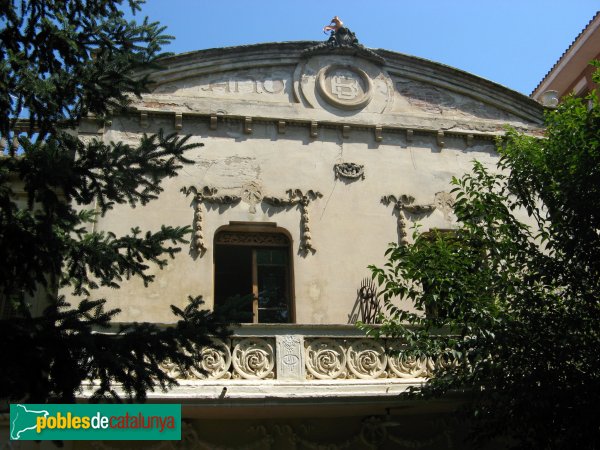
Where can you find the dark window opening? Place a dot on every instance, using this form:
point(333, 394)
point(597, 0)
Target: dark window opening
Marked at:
point(252, 277)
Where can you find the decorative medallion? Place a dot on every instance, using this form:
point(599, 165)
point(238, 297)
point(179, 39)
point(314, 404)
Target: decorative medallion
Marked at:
point(253, 358)
point(216, 361)
point(326, 359)
point(345, 86)
point(366, 359)
point(349, 170)
point(251, 193)
point(342, 84)
point(404, 366)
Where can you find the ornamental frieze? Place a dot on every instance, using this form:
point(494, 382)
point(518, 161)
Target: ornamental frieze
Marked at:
point(247, 238)
point(297, 357)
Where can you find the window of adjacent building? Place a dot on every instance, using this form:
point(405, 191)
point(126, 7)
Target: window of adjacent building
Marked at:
point(253, 276)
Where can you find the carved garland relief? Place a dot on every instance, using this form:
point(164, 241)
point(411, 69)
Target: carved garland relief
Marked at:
point(206, 194)
point(444, 201)
point(402, 204)
point(295, 197)
point(298, 197)
point(405, 203)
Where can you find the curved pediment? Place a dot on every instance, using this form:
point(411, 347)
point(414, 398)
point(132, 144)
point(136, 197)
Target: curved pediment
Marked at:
point(289, 81)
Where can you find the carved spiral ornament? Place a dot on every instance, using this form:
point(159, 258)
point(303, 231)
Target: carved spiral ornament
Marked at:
point(253, 359)
point(170, 369)
point(216, 360)
point(446, 362)
point(405, 366)
point(326, 359)
point(366, 359)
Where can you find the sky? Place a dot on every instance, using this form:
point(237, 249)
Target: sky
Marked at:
point(511, 42)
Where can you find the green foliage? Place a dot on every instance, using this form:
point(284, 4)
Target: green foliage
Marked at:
point(61, 61)
point(510, 303)
point(64, 59)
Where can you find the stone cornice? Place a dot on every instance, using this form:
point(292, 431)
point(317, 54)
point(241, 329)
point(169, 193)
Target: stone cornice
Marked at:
point(209, 61)
point(408, 125)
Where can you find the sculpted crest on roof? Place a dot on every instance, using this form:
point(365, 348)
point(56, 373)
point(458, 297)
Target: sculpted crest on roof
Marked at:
point(342, 41)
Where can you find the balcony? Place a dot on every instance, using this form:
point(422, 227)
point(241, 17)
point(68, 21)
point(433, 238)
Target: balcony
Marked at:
point(295, 364)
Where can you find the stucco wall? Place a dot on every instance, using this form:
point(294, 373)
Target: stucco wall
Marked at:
point(411, 137)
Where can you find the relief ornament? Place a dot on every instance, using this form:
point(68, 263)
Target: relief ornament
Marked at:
point(303, 199)
point(349, 170)
point(405, 203)
point(206, 194)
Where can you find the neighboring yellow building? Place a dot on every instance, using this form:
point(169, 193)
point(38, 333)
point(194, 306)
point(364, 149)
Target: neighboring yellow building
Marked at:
point(572, 73)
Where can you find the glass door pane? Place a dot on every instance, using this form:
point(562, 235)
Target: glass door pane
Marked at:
point(273, 285)
point(233, 282)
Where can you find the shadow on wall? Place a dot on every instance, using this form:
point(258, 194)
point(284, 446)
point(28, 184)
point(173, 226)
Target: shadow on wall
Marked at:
point(366, 307)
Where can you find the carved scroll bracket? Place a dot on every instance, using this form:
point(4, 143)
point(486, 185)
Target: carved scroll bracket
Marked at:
point(303, 199)
point(206, 194)
point(405, 203)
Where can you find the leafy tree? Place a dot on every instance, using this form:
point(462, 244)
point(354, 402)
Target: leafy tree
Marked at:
point(508, 304)
point(61, 61)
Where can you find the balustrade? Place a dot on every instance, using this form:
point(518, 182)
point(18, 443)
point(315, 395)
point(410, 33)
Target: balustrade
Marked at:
point(291, 355)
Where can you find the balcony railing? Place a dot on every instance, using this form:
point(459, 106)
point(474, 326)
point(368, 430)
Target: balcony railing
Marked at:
point(303, 353)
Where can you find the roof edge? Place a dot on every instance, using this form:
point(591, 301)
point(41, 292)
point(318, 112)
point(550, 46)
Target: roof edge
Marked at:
point(581, 37)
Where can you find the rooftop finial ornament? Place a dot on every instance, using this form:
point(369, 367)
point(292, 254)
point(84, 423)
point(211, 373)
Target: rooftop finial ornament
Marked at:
point(340, 35)
point(336, 24)
point(342, 41)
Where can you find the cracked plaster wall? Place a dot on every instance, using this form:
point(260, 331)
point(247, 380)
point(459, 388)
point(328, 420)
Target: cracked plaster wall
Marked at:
point(350, 226)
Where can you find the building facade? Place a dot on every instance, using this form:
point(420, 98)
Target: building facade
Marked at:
point(316, 156)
